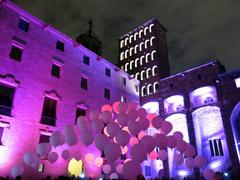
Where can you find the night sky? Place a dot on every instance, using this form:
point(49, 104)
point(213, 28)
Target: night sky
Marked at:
point(198, 31)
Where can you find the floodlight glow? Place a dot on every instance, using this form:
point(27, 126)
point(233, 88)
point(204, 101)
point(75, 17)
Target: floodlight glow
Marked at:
point(152, 107)
point(182, 173)
point(237, 82)
point(82, 175)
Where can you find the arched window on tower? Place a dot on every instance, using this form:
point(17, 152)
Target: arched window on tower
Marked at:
point(126, 66)
point(143, 74)
point(147, 43)
point(137, 76)
point(149, 89)
point(151, 27)
point(153, 55)
point(121, 43)
point(135, 49)
point(126, 41)
point(155, 87)
point(131, 64)
point(144, 91)
point(126, 53)
point(135, 36)
point(140, 33)
point(141, 46)
point(147, 57)
point(131, 39)
point(121, 56)
point(131, 51)
point(137, 62)
point(154, 70)
point(149, 72)
point(145, 30)
point(141, 60)
point(151, 40)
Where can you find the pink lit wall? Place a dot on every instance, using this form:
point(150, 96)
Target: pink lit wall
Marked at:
point(33, 81)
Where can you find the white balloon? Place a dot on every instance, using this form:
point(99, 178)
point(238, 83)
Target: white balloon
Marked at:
point(56, 139)
point(29, 158)
point(17, 170)
point(44, 148)
point(113, 176)
point(106, 168)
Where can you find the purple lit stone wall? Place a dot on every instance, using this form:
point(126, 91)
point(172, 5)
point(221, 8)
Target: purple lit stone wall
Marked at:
point(33, 81)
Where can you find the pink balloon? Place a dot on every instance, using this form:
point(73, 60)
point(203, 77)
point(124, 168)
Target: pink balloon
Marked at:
point(52, 157)
point(134, 127)
point(166, 127)
point(112, 151)
point(200, 161)
point(133, 105)
point(131, 170)
point(122, 107)
point(142, 113)
point(97, 125)
point(181, 146)
point(113, 128)
point(161, 141)
point(106, 116)
point(43, 149)
point(144, 123)
point(133, 141)
point(86, 138)
point(56, 138)
point(172, 142)
point(190, 151)
point(65, 154)
point(148, 142)
point(189, 162)
point(122, 119)
point(115, 107)
point(178, 135)
point(163, 155)
point(101, 140)
point(157, 122)
point(132, 115)
point(208, 174)
point(106, 107)
point(178, 158)
point(153, 155)
point(106, 168)
point(138, 153)
point(94, 115)
point(119, 168)
point(122, 138)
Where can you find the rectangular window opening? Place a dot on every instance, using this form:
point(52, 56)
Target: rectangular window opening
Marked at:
point(60, 45)
point(49, 112)
point(106, 93)
point(55, 70)
point(23, 25)
point(84, 83)
point(16, 53)
point(6, 100)
point(80, 112)
point(86, 60)
point(108, 72)
point(1, 135)
point(124, 81)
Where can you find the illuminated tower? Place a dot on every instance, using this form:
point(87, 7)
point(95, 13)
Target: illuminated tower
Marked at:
point(143, 54)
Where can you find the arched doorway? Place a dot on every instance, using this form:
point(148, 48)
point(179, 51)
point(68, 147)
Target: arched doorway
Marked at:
point(235, 123)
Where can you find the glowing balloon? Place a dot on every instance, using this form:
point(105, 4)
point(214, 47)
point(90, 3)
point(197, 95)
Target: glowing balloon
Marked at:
point(161, 141)
point(166, 127)
point(122, 138)
point(208, 174)
point(112, 129)
point(17, 170)
point(200, 161)
point(122, 119)
point(144, 123)
point(157, 122)
point(101, 140)
point(87, 138)
point(190, 151)
point(52, 157)
point(133, 141)
point(89, 158)
point(119, 168)
point(29, 158)
point(181, 146)
point(138, 153)
point(153, 155)
point(56, 138)
point(99, 161)
point(112, 151)
point(106, 117)
point(106, 168)
point(43, 149)
point(178, 135)
point(142, 113)
point(148, 142)
point(71, 138)
point(65, 154)
point(163, 155)
point(75, 167)
point(131, 170)
point(115, 107)
point(106, 107)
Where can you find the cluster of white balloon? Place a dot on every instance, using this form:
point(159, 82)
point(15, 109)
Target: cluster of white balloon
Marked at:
point(120, 129)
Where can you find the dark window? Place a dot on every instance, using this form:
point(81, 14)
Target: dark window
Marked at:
point(108, 72)
point(44, 138)
point(199, 77)
point(60, 46)
point(144, 92)
point(6, 100)
point(86, 60)
point(124, 81)
point(123, 99)
point(16, 53)
point(1, 134)
point(123, 157)
point(55, 71)
point(106, 93)
point(23, 25)
point(147, 170)
point(80, 112)
point(136, 88)
point(84, 83)
point(216, 147)
point(157, 87)
point(150, 90)
point(49, 112)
